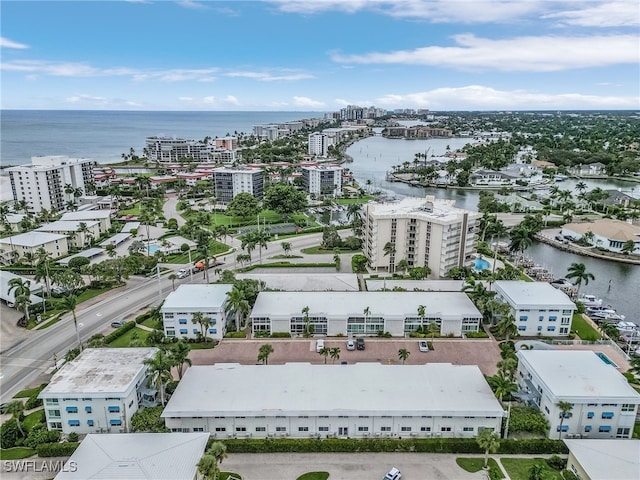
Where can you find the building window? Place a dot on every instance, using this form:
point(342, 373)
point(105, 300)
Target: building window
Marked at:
point(522, 328)
point(323, 429)
point(467, 429)
point(198, 429)
point(51, 401)
point(590, 414)
point(551, 328)
point(90, 423)
point(241, 429)
point(607, 414)
point(622, 433)
point(524, 318)
point(114, 409)
point(405, 429)
point(445, 429)
point(261, 429)
point(213, 330)
point(72, 409)
point(115, 422)
point(553, 318)
point(87, 409)
point(281, 429)
point(54, 413)
point(628, 407)
point(221, 429)
point(425, 429)
point(184, 331)
point(182, 321)
point(587, 428)
point(363, 429)
point(565, 428)
point(74, 423)
point(303, 429)
point(604, 429)
point(385, 429)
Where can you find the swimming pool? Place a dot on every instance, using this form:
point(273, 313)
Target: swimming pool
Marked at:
point(482, 264)
point(153, 249)
point(605, 359)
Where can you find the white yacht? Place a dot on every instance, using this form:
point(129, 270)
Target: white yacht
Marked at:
point(589, 300)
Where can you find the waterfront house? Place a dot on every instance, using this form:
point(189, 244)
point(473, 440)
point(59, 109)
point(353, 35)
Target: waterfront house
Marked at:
point(610, 234)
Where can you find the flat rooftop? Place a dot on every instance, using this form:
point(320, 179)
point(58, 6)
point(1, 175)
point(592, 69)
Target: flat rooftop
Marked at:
point(427, 208)
point(305, 389)
point(578, 374)
point(86, 215)
point(32, 239)
point(525, 294)
point(99, 370)
point(197, 296)
point(66, 226)
point(307, 282)
point(599, 458)
point(391, 304)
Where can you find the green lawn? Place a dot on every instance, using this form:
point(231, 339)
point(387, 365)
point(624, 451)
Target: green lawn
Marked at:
point(30, 392)
point(314, 476)
point(518, 468)
point(31, 419)
point(125, 339)
point(583, 328)
point(349, 201)
point(16, 453)
point(318, 249)
point(202, 346)
point(225, 475)
point(636, 429)
point(473, 465)
point(134, 210)
point(150, 322)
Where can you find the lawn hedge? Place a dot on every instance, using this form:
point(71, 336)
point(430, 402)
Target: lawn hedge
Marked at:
point(118, 332)
point(418, 445)
point(56, 449)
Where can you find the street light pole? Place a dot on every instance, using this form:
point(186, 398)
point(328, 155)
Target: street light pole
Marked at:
point(190, 267)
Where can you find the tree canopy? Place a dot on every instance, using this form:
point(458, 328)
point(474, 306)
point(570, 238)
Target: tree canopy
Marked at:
point(285, 199)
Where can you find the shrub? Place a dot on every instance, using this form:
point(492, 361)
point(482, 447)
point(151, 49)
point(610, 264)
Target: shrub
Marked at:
point(72, 437)
point(56, 449)
point(556, 462)
point(280, 335)
point(119, 332)
point(9, 433)
point(240, 334)
point(148, 420)
point(39, 435)
point(527, 419)
point(33, 402)
point(568, 475)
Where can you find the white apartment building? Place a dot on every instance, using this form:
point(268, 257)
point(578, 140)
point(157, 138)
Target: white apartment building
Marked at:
point(604, 404)
point(17, 245)
point(597, 459)
point(364, 313)
point(179, 307)
point(321, 180)
point(426, 232)
point(99, 391)
point(301, 400)
point(42, 183)
point(103, 217)
point(319, 143)
point(77, 235)
point(229, 182)
point(538, 308)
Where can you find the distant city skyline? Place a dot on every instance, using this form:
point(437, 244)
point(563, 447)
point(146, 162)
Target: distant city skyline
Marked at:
point(320, 55)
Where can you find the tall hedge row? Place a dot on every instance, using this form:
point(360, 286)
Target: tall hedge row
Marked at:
point(418, 445)
point(56, 449)
point(117, 333)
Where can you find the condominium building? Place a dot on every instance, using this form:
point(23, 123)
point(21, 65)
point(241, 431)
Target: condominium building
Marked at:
point(603, 404)
point(301, 400)
point(180, 306)
point(598, 459)
point(538, 308)
point(99, 391)
point(319, 143)
point(103, 217)
point(16, 246)
point(229, 182)
point(364, 313)
point(426, 232)
point(322, 180)
point(79, 234)
point(170, 149)
point(42, 184)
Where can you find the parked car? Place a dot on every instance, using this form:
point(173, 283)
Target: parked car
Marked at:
point(319, 345)
point(360, 343)
point(351, 345)
point(183, 272)
point(423, 346)
point(117, 323)
point(393, 474)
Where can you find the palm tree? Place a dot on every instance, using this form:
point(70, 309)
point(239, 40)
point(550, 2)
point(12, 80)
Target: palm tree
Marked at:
point(507, 327)
point(489, 441)
point(264, 352)
point(173, 277)
point(578, 271)
point(334, 353)
point(42, 268)
point(502, 385)
point(403, 354)
point(324, 351)
point(521, 239)
point(402, 266)
point(214, 455)
point(16, 409)
point(536, 472)
point(203, 322)
point(237, 305)
point(70, 302)
point(389, 249)
point(22, 293)
point(180, 357)
point(421, 311)
point(565, 412)
point(159, 370)
point(307, 320)
point(286, 246)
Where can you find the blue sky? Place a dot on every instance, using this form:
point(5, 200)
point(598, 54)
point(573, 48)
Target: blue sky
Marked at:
point(320, 55)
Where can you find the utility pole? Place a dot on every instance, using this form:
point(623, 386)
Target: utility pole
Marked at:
point(159, 284)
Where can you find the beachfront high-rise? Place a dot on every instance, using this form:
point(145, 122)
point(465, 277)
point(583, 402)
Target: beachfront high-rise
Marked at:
point(322, 180)
point(425, 232)
point(229, 182)
point(42, 184)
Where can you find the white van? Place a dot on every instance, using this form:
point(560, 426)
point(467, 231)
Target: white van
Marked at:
point(319, 345)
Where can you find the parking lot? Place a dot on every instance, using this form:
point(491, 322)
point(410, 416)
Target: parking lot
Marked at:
point(481, 352)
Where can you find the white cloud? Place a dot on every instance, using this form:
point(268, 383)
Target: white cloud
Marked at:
point(6, 43)
point(307, 102)
point(267, 77)
point(84, 98)
point(536, 54)
point(620, 13)
point(478, 97)
point(210, 101)
point(193, 5)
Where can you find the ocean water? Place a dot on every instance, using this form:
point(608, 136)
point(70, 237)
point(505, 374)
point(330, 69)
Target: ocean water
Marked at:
point(105, 135)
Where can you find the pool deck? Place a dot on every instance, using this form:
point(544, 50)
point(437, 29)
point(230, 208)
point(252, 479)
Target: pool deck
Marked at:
point(610, 351)
point(490, 261)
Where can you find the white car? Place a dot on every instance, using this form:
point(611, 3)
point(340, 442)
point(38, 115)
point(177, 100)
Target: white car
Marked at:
point(182, 273)
point(319, 345)
point(351, 345)
point(393, 474)
point(423, 346)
